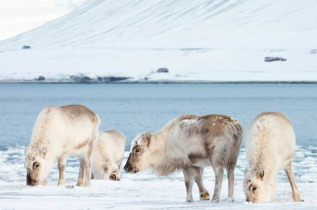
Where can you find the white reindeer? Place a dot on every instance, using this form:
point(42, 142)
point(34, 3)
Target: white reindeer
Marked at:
point(58, 133)
point(107, 155)
point(270, 143)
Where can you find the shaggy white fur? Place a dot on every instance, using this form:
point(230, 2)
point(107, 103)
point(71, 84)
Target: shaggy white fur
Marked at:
point(270, 144)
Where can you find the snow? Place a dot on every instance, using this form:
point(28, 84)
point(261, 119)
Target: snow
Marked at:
point(145, 190)
point(188, 122)
point(199, 41)
point(17, 16)
point(140, 194)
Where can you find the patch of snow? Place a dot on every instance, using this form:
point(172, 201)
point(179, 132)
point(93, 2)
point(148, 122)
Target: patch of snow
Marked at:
point(189, 121)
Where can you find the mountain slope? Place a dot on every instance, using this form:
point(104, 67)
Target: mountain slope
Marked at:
point(201, 40)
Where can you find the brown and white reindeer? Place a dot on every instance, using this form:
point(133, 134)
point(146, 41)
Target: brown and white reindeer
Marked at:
point(270, 145)
point(107, 155)
point(191, 143)
point(58, 133)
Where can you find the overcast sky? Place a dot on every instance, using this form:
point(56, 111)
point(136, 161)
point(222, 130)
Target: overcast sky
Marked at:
point(17, 16)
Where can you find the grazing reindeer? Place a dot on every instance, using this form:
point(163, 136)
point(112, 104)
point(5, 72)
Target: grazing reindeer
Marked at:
point(191, 143)
point(270, 143)
point(107, 155)
point(58, 133)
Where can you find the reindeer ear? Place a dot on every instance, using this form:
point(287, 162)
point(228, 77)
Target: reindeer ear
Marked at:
point(260, 174)
point(148, 138)
point(30, 156)
point(43, 152)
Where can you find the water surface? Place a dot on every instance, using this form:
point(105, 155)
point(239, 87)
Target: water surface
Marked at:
point(136, 108)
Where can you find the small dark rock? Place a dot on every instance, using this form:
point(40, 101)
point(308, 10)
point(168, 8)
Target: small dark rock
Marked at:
point(41, 78)
point(81, 78)
point(70, 186)
point(271, 59)
point(111, 79)
point(26, 47)
point(162, 70)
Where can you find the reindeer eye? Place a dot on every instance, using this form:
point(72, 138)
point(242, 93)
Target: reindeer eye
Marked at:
point(36, 165)
point(137, 150)
point(254, 189)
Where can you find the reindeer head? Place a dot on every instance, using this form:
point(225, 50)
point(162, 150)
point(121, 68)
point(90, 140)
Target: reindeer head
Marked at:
point(140, 155)
point(111, 172)
point(256, 188)
point(35, 165)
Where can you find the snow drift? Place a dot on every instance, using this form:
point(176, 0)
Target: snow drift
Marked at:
point(202, 40)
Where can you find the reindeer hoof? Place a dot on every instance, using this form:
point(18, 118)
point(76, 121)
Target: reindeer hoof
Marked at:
point(204, 196)
point(189, 200)
point(61, 182)
point(87, 184)
point(297, 198)
point(215, 200)
point(79, 184)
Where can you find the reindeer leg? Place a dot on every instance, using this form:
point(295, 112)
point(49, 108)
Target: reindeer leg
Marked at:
point(230, 175)
point(61, 167)
point(80, 181)
point(290, 175)
point(88, 164)
point(204, 195)
point(189, 174)
point(218, 183)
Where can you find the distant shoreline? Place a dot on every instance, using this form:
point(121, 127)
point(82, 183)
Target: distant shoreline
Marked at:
point(165, 82)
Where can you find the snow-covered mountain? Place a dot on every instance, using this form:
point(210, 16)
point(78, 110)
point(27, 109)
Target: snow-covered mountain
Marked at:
point(17, 16)
point(201, 40)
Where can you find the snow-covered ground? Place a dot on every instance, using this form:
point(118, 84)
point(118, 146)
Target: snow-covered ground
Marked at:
point(197, 40)
point(139, 194)
point(145, 190)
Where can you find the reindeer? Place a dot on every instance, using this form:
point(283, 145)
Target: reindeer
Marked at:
point(58, 133)
point(270, 143)
point(107, 155)
point(191, 143)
